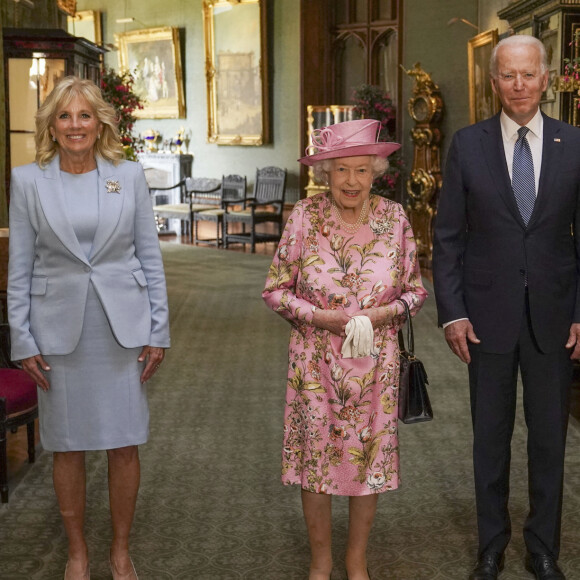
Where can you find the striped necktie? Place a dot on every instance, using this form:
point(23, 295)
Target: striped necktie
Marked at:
point(523, 181)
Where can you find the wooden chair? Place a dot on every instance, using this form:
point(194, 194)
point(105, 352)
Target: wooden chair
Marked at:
point(18, 406)
point(196, 194)
point(233, 190)
point(265, 206)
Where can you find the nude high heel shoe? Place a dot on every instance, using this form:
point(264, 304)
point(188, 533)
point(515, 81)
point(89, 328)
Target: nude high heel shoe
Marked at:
point(130, 576)
point(85, 576)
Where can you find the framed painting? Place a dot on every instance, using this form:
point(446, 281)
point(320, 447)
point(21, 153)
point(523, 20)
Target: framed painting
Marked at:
point(235, 34)
point(86, 24)
point(549, 95)
point(483, 102)
point(153, 57)
point(550, 40)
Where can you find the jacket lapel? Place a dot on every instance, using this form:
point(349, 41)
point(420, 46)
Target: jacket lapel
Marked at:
point(111, 193)
point(494, 154)
point(51, 196)
point(549, 149)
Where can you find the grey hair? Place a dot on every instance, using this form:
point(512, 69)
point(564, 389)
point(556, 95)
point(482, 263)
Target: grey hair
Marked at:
point(321, 169)
point(518, 40)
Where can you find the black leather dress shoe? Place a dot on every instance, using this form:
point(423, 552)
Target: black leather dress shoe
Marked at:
point(544, 567)
point(488, 567)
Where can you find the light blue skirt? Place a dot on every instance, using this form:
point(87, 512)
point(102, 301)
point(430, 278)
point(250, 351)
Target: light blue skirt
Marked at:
point(95, 400)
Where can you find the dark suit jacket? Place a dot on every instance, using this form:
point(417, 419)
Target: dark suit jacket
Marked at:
point(483, 252)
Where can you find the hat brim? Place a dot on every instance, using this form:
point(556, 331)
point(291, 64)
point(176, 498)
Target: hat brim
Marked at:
point(382, 149)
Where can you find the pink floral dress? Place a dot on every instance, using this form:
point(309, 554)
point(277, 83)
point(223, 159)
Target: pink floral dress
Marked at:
point(340, 424)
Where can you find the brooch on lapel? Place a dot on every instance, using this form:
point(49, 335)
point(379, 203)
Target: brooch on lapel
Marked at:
point(113, 186)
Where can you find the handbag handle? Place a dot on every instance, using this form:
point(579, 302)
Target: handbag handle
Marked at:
point(410, 335)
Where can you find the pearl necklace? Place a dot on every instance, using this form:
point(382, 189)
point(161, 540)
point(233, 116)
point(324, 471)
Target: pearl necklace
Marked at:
point(351, 228)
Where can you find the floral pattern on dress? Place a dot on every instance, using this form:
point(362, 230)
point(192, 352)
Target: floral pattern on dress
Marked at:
point(340, 420)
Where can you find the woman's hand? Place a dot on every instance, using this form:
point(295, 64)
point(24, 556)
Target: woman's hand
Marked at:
point(380, 316)
point(154, 356)
point(33, 365)
point(384, 315)
point(332, 320)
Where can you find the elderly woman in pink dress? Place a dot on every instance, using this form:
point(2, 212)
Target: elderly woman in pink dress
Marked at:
point(345, 261)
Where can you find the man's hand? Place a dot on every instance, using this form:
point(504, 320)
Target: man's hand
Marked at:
point(458, 333)
point(574, 340)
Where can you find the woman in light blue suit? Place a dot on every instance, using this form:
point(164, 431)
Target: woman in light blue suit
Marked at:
point(87, 305)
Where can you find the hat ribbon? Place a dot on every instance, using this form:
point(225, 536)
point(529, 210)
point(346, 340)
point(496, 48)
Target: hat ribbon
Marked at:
point(326, 139)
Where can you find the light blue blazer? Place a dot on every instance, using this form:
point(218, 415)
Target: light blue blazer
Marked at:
point(49, 274)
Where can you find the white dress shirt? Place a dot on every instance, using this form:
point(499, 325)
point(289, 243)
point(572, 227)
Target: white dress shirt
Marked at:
point(509, 133)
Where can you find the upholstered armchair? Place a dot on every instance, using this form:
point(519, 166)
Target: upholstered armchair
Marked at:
point(18, 406)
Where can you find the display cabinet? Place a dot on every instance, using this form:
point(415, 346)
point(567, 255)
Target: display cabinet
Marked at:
point(34, 61)
point(555, 23)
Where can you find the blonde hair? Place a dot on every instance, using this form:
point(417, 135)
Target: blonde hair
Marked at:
point(321, 169)
point(109, 145)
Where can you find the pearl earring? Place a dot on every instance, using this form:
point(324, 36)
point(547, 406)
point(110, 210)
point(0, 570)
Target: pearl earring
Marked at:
point(54, 138)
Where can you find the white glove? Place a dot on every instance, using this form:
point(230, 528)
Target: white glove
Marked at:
point(360, 338)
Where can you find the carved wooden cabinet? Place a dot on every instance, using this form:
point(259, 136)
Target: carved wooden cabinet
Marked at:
point(556, 23)
point(344, 43)
point(34, 61)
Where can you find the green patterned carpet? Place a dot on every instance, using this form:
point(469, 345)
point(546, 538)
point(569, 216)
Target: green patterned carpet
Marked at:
point(211, 505)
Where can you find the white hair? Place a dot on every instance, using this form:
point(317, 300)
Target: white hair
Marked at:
point(321, 169)
point(518, 40)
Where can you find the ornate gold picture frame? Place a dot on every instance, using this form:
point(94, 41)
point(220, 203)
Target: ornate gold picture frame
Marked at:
point(236, 71)
point(154, 58)
point(67, 6)
point(483, 102)
point(86, 24)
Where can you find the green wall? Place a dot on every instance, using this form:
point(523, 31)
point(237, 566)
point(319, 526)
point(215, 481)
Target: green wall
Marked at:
point(441, 49)
point(442, 52)
point(215, 160)
point(488, 19)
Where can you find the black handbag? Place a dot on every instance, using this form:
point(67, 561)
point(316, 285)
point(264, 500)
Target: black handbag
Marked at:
point(414, 404)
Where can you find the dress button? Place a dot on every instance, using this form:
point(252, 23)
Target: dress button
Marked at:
point(87, 268)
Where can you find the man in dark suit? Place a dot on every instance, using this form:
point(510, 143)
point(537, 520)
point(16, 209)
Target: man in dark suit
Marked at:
point(506, 267)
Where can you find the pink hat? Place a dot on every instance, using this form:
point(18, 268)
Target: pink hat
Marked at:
point(347, 139)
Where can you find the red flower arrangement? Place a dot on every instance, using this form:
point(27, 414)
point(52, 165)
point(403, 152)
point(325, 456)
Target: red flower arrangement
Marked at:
point(117, 89)
point(372, 102)
point(572, 65)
